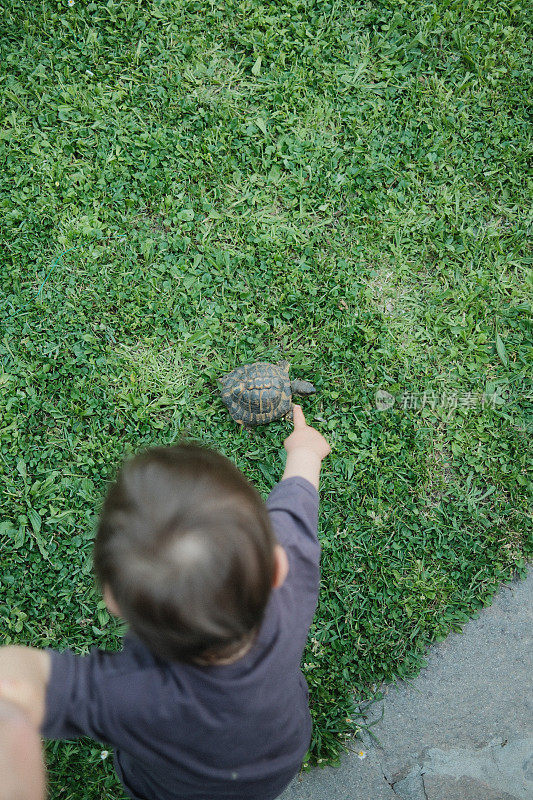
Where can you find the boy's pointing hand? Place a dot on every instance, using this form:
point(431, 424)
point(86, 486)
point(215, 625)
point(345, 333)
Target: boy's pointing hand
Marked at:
point(305, 439)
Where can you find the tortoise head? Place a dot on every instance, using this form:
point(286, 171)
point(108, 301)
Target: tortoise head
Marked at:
point(302, 387)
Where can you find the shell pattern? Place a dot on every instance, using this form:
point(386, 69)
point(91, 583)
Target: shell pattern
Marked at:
point(257, 393)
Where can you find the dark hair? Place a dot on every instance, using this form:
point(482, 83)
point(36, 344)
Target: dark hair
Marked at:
point(185, 544)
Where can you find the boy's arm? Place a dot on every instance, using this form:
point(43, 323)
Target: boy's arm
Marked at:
point(304, 463)
point(24, 676)
point(21, 758)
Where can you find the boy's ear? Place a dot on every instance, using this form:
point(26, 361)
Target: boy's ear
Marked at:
point(281, 568)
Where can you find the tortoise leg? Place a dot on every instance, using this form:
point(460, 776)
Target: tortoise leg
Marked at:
point(242, 425)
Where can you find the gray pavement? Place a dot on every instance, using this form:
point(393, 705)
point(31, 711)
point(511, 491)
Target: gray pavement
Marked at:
point(461, 730)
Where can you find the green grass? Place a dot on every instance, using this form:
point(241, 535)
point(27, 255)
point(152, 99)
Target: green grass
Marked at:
point(343, 185)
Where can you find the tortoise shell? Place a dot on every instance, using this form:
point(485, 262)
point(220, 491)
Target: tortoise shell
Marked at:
point(257, 393)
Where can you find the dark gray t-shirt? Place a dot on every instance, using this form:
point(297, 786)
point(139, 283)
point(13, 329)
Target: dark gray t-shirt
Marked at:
point(182, 732)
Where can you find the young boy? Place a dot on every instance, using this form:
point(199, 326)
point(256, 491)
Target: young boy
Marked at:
point(206, 700)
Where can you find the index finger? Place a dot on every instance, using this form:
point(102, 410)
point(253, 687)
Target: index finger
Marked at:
point(298, 418)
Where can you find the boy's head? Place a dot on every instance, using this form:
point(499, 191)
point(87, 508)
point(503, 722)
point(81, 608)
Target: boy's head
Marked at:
point(186, 551)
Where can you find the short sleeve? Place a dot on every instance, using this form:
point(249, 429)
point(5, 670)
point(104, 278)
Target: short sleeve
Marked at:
point(293, 508)
point(77, 696)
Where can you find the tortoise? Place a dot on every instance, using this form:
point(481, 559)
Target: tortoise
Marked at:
point(261, 392)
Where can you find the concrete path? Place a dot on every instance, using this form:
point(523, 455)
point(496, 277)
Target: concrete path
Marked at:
point(461, 730)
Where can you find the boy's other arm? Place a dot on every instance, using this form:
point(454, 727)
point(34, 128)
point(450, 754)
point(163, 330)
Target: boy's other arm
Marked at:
point(22, 769)
point(306, 448)
point(24, 676)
